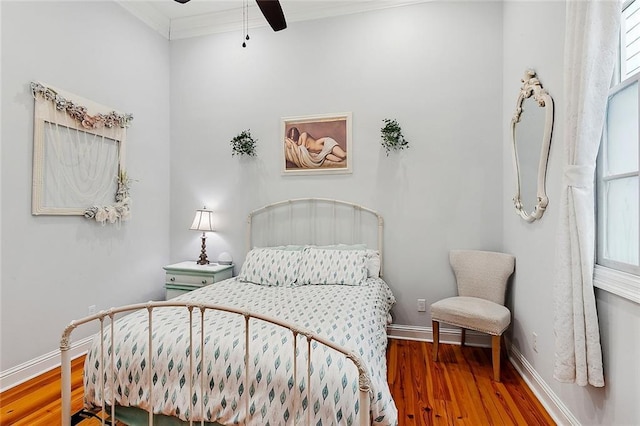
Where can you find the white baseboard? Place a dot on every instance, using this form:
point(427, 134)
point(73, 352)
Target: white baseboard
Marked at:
point(547, 397)
point(447, 335)
point(549, 400)
point(37, 366)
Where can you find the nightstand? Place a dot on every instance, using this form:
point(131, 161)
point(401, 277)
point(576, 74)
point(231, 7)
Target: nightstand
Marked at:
point(187, 276)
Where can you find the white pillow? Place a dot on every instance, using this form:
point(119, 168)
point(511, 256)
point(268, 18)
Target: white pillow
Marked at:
point(271, 267)
point(342, 247)
point(373, 256)
point(373, 263)
point(327, 266)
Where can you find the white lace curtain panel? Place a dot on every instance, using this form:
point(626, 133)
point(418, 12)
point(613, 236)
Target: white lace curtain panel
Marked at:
point(78, 152)
point(80, 168)
point(590, 53)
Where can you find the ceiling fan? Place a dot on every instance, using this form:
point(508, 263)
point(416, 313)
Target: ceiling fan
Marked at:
point(271, 10)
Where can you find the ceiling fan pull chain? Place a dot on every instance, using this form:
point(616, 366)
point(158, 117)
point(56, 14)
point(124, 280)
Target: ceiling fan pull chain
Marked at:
point(245, 22)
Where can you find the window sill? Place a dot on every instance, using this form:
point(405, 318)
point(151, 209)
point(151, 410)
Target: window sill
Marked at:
point(617, 282)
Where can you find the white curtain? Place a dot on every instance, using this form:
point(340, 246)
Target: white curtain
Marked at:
point(590, 54)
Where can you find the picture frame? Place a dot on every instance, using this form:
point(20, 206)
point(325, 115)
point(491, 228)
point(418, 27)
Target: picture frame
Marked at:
point(317, 144)
point(78, 158)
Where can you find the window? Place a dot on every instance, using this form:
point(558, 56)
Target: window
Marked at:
point(630, 40)
point(618, 176)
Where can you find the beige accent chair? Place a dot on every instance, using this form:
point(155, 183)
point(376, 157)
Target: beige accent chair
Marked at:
point(482, 281)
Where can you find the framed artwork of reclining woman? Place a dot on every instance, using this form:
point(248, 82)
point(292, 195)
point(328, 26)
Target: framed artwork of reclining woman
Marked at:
point(317, 144)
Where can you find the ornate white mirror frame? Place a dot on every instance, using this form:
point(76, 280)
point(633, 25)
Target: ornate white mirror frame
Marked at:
point(532, 88)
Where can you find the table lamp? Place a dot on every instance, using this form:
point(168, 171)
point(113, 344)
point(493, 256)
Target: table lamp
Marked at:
point(203, 221)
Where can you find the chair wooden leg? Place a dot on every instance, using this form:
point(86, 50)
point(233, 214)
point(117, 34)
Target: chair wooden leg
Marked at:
point(436, 338)
point(495, 355)
point(463, 335)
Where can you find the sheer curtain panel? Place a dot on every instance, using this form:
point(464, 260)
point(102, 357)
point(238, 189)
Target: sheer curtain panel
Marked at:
point(590, 53)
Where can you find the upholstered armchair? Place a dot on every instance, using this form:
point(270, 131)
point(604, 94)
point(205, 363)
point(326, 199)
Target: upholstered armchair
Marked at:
point(482, 278)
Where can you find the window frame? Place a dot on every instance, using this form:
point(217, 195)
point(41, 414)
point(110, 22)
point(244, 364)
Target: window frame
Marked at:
point(617, 282)
point(616, 277)
point(622, 63)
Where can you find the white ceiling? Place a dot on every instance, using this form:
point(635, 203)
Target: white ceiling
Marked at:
point(201, 17)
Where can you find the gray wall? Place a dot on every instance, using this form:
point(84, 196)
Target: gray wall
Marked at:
point(442, 82)
point(534, 38)
point(55, 267)
point(449, 72)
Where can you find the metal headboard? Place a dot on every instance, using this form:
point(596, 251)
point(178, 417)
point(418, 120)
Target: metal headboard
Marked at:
point(317, 221)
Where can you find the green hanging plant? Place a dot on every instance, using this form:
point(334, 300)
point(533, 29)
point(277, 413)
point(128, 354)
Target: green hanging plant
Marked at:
point(392, 137)
point(243, 144)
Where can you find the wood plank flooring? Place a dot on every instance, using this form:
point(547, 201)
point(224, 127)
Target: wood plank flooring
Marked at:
point(457, 390)
point(37, 401)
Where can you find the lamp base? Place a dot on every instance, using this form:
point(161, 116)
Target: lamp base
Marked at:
point(203, 252)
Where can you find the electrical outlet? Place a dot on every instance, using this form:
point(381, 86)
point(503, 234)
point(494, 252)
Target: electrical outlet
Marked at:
point(92, 309)
point(534, 341)
point(422, 305)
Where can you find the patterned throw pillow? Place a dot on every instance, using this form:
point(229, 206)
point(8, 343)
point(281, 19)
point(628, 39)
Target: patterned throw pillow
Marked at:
point(271, 267)
point(321, 266)
point(373, 256)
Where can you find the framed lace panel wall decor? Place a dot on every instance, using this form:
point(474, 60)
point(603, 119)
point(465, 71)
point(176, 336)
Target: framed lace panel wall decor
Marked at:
point(78, 157)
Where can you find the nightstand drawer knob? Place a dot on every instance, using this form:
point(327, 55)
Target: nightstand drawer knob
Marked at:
point(173, 278)
point(204, 281)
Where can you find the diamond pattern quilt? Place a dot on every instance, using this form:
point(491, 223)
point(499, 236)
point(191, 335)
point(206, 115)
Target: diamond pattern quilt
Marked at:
point(354, 317)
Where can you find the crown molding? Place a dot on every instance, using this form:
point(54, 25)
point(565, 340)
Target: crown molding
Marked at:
point(231, 20)
point(214, 23)
point(149, 15)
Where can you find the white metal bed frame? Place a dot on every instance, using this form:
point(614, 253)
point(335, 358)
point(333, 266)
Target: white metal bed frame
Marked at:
point(289, 206)
point(333, 217)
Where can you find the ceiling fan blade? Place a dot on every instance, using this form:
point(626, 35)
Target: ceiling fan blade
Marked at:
point(272, 12)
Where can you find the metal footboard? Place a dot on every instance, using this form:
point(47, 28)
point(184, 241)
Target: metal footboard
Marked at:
point(363, 379)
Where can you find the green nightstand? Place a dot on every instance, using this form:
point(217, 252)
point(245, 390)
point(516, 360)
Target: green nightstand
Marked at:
point(187, 276)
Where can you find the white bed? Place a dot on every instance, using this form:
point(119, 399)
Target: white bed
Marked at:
point(329, 306)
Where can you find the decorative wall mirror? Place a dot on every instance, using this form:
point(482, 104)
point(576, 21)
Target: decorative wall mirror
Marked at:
point(78, 158)
point(531, 129)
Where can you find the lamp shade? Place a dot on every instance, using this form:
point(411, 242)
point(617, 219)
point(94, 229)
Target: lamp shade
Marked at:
point(203, 221)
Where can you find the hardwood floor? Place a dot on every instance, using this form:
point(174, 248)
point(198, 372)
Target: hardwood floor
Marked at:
point(37, 401)
point(457, 390)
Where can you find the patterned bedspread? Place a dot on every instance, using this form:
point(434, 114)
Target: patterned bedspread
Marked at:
point(352, 316)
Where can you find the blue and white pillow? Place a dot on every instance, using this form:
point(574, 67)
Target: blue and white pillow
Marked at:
point(373, 256)
point(327, 266)
point(271, 267)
